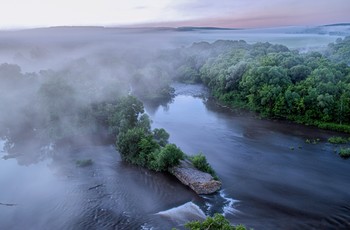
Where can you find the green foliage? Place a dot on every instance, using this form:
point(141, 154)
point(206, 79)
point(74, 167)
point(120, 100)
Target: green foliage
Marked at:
point(140, 148)
point(338, 140)
point(161, 136)
point(129, 144)
point(336, 127)
point(166, 157)
point(217, 222)
point(84, 163)
point(276, 82)
point(340, 50)
point(136, 142)
point(125, 115)
point(345, 153)
point(200, 162)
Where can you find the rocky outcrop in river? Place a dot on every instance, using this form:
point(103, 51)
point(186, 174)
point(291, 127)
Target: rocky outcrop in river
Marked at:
point(200, 182)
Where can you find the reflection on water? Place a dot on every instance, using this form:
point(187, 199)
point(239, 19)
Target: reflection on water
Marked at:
point(278, 179)
point(266, 184)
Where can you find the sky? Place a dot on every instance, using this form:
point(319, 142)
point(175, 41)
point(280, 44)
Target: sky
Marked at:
point(174, 13)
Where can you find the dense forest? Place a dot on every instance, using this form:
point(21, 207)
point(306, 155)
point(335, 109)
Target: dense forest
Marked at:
point(311, 88)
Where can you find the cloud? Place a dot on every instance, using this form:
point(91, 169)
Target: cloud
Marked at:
point(260, 13)
point(237, 13)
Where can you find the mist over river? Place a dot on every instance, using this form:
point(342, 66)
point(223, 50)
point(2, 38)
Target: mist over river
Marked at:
point(266, 185)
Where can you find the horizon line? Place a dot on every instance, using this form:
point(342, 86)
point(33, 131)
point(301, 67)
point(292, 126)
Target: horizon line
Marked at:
point(19, 28)
point(140, 26)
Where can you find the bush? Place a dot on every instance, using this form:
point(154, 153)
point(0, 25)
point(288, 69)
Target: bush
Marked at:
point(166, 157)
point(128, 144)
point(335, 127)
point(345, 153)
point(338, 140)
point(141, 149)
point(200, 162)
point(218, 222)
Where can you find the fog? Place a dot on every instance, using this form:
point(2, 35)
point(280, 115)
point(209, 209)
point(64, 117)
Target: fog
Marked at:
point(49, 75)
point(51, 82)
point(51, 78)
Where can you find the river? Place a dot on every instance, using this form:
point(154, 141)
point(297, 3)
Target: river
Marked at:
point(271, 178)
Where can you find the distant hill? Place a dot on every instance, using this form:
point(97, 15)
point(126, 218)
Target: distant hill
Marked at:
point(338, 24)
point(190, 28)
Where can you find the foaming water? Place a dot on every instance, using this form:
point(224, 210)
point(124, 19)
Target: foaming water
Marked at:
point(228, 207)
point(219, 202)
point(186, 212)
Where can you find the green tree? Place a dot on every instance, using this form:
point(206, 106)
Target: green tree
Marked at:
point(168, 156)
point(161, 136)
point(125, 114)
point(299, 72)
point(128, 144)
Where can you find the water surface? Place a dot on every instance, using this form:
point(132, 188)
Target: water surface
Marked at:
point(266, 184)
point(279, 180)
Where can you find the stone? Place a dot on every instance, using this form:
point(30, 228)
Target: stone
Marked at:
point(198, 181)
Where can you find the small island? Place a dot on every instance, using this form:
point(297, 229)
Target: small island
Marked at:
point(138, 144)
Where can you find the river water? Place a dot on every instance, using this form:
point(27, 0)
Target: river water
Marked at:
point(271, 178)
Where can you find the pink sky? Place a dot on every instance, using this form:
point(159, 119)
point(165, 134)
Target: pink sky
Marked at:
point(218, 13)
point(264, 13)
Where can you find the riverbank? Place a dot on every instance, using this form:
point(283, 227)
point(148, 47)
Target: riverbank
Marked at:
point(239, 105)
point(272, 185)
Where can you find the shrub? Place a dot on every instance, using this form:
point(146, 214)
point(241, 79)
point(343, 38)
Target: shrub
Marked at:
point(138, 147)
point(335, 127)
point(128, 144)
point(345, 153)
point(218, 222)
point(338, 140)
point(200, 162)
point(84, 163)
point(166, 157)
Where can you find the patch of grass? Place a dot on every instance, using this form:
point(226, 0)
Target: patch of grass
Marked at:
point(84, 163)
point(338, 140)
point(344, 152)
point(200, 162)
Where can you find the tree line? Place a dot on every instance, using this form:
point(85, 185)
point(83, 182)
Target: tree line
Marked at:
point(311, 88)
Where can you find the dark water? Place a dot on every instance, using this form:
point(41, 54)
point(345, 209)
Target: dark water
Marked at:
point(266, 185)
point(276, 187)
